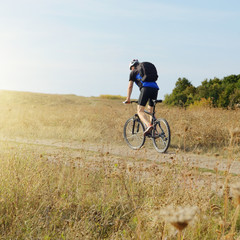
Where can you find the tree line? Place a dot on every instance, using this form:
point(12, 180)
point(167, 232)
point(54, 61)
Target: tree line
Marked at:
point(216, 92)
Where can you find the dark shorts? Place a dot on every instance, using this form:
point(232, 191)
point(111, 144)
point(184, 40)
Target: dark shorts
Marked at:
point(146, 94)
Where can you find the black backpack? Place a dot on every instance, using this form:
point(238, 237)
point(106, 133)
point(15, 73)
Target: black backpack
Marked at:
point(148, 72)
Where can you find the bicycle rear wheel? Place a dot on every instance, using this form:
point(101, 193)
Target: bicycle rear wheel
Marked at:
point(133, 133)
point(161, 135)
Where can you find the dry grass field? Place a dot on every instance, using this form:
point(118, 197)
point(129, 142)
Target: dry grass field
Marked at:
point(52, 192)
point(101, 120)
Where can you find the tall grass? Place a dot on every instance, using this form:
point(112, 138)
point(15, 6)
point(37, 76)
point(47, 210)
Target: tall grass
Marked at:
point(69, 117)
point(117, 97)
point(45, 199)
point(58, 193)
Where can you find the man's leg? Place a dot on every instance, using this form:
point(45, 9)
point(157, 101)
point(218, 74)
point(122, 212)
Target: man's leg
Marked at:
point(153, 96)
point(143, 98)
point(144, 119)
point(142, 115)
point(150, 109)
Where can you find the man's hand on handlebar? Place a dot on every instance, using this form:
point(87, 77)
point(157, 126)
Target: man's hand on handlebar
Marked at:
point(127, 102)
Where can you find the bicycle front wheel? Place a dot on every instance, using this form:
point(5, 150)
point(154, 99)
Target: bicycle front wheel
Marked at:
point(133, 133)
point(161, 135)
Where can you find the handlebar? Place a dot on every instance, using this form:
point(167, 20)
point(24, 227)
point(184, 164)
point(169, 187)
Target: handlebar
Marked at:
point(134, 101)
point(157, 101)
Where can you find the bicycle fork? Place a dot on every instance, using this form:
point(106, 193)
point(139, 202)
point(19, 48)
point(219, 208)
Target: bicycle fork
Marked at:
point(136, 121)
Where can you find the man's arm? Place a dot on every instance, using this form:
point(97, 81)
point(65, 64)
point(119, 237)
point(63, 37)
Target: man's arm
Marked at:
point(129, 91)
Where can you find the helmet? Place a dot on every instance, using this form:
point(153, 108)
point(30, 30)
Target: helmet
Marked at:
point(134, 63)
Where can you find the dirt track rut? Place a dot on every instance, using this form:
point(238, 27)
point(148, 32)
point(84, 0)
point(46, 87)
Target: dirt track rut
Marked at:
point(200, 161)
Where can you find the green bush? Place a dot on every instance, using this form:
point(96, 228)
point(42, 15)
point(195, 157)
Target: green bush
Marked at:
point(222, 92)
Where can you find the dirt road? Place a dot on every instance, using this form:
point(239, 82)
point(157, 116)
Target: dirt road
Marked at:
point(201, 161)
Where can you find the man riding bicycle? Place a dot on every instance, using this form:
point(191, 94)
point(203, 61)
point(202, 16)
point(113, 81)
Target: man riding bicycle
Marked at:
point(148, 92)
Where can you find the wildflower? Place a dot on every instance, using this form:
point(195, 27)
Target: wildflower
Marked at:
point(179, 217)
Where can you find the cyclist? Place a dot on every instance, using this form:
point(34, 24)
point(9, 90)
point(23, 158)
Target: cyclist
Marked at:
point(148, 92)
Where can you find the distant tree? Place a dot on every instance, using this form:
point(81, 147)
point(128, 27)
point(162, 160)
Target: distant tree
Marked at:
point(234, 98)
point(221, 92)
point(210, 89)
point(182, 94)
point(232, 79)
point(190, 92)
point(181, 85)
point(224, 98)
point(238, 83)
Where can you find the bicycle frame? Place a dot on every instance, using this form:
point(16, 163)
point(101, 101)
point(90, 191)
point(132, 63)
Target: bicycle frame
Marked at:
point(152, 115)
point(147, 112)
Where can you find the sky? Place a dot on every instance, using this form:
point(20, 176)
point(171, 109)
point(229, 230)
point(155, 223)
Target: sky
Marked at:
point(84, 47)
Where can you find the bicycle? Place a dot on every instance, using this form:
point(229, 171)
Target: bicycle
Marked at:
point(134, 128)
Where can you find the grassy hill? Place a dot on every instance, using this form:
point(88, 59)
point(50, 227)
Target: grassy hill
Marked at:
point(101, 119)
point(51, 192)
